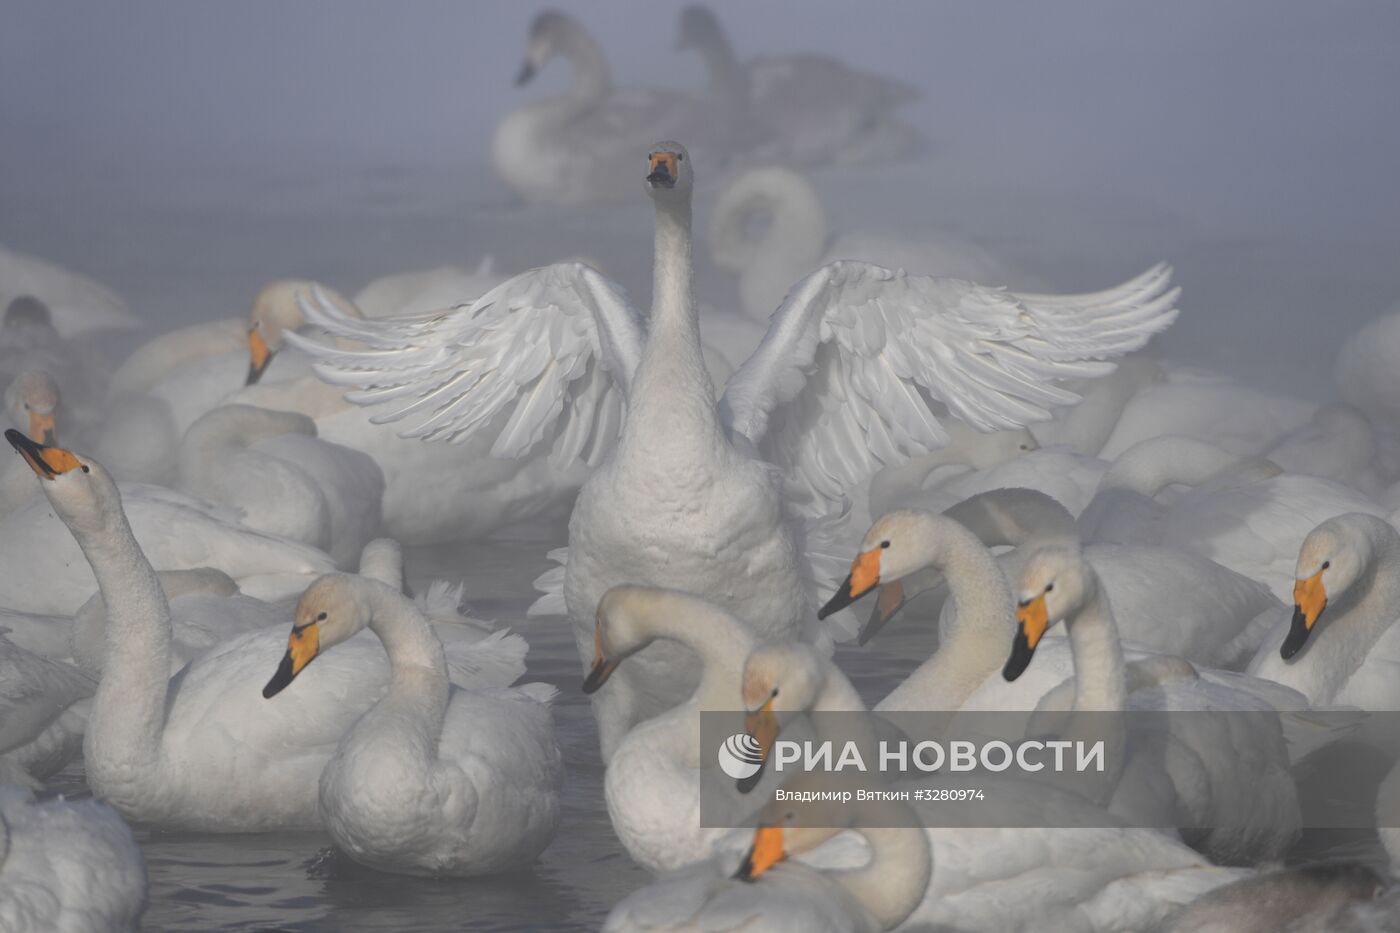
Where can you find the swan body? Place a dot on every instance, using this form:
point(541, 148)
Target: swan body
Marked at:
point(431, 780)
point(802, 109)
point(282, 479)
point(67, 867)
point(795, 241)
point(1086, 428)
point(722, 496)
point(43, 709)
point(427, 290)
point(1342, 898)
point(1341, 647)
point(1364, 369)
point(158, 357)
point(76, 303)
point(1338, 443)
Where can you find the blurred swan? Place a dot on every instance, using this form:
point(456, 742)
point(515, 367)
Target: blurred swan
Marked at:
point(427, 290)
point(794, 241)
point(1347, 573)
point(771, 892)
point(167, 353)
point(67, 867)
point(43, 710)
point(1364, 369)
point(718, 496)
point(1227, 782)
point(968, 455)
point(31, 404)
point(76, 303)
point(1338, 443)
point(805, 109)
point(282, 479)
point(203, 750)
point(1340, 898)
point(1086, 428)
point(1098, 875)
point(581, 146)
point(474, 785)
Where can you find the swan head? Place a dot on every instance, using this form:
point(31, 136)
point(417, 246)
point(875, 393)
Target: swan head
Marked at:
point(82, 493)
point(331, 610)
point(780, 834)
point(894, 547)
point(1333, 556)
point(549, 33)
point(699, 29)
point(277, 309)
point(620, 628)
point(31, 399)
point(669, 174)
point(779, 681)
point(27, 318)
point(1054, 584)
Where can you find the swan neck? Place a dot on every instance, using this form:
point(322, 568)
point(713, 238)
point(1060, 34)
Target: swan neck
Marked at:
point(1099, 672)
point(892, 884)
point(1013, 517)
point(726, 77)
point(722, 642)
point(129, 706)
point(592, 76)
point(417, 662)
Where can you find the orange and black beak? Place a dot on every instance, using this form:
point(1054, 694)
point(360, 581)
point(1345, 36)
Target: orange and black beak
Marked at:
point(766, 851)
point(46, 462)
point(663, 170)
point(1032, 619)
point(259, 355)
point(302, 647)
point(1309, 601)
point(603, 666)
point(864, 576)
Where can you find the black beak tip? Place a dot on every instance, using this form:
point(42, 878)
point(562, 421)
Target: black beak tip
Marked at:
point(17, 440)
point(279, 680)
point(1297, 636)
point(839, 601)
point(1021, 654)
point(596, 678)
point(254, 373)
point(745, 872)
point(746, 784)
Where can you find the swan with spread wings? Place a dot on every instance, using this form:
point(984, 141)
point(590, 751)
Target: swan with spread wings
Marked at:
point(729, 497)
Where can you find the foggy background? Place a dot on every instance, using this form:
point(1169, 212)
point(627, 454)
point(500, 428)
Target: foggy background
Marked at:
point(184, 153)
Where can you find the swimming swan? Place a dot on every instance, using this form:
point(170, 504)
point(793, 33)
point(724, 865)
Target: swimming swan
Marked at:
point(473, 784)
point(67, 866)
point(718, 496)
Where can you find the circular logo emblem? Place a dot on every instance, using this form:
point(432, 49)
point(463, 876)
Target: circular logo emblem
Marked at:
point(740, 756)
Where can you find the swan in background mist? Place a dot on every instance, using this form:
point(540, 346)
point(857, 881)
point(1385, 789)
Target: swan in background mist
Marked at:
point(476, 774)
point(76, 303)
point(580, 147)
point(67, 867)
point(769, 227)
point(806, 109)
point(1365, 371)
point(427, 290)
point(719, 496)
point(281, 478)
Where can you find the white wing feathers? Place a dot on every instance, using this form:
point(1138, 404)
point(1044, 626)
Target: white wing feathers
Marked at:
point(546, 356)
point(860, 360)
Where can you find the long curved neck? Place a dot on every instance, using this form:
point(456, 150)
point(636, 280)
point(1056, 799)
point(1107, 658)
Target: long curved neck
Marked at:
point(411, 714)
point(726, 77)
point(671, 405)
point(1151, 466)
point(592, 77)
point(721, 641)
point(128, 710)
point(1099, 674)
point(892, 884)
point(1365, 612)
point(1013, 517)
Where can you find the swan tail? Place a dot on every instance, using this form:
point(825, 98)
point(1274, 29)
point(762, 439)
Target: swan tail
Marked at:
point(498, 660)
point(551, 585)
point(442, 604)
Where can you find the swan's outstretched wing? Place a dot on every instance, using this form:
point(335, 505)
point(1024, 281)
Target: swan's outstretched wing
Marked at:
point(544, 357)
point(859, 361)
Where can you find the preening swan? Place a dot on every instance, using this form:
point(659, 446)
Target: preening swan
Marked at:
point(698, 493)
point(202, 750)
point(805, 109)
point(67, 867)
point(1347, 577)
point(432, 780)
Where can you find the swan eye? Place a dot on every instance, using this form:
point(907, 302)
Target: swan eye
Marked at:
point(320, 617)
point(774, 693)
point(1326, 564)
point(680, 156)
point(1025, 446)
point(85, 468)
point(884, 544)
point(26, 406)
point(1049, 587)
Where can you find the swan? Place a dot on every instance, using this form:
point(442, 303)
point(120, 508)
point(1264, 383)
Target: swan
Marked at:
point(203, 751)
point(78, 366)
point(281, 478)
point(794, 241)
point(572, 149)
point(1086, 428)
point(773, 893)
point(1364, 368)
point(1096, 876)
point(475, 777)
point(77, 304)
point(968, 453)
point(167, 353)
point(810, 109)
point(1341, 898)
point(67, 867)
point(718, 496)
point(45, 572)
point(31, 402)
point(426, 290)
point(42, 712)
point(1228, 779)
point(1337, 443)
point(1348, 575)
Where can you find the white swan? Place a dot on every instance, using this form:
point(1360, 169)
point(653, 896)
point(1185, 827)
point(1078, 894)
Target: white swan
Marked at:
point(793, 241)
point(1364, 369)
point(1228, 777)
point(573, 149)
point(698, 493)
point(806, 109)
point(1324, 898)
point(77, 303)
point(282, 479)
point(1086, 428)
point(67, 867)
point(1338, 443)
point(203, 750)
point(1347, 574)
point(427, 290)
point(1096, 876)
point(473, 787)
point(968, 454)
point(31, 402)
point(771, 892)
point(42, 713)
